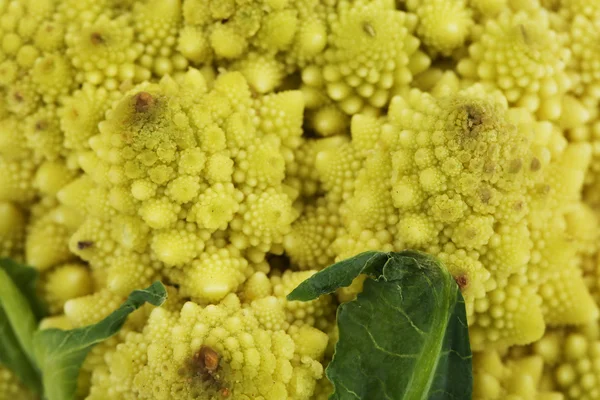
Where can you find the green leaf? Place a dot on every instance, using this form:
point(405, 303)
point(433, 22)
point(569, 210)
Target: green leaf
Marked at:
point(25, 278)
point(18, 322)
point(14, 358)
point(405, 336)
point(61, 353)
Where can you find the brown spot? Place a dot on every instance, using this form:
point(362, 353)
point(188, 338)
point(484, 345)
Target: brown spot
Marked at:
point(143, 102)
point(485, 194)
point(205, 362)
point(96, 39)
point(544, 189)
point(524, 33)
point(471, 234)
point(462, 281)
point(489, 168)
point(210, 358)
point(84, 244)
point(49, 28)
point(535, 164)
point(474, 120)
point(49, 64)
point(369, 30)
point(18, 96)
point(518, 206)
point(225, 392)
point(41, 125)
point(474, 116)
point(515, 166)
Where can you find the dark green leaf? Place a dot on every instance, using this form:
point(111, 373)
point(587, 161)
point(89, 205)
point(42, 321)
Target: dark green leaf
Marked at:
point(25, 278)
point(405, 336)
point(338, 275)
point(17, 325)
point(61, 353)
point(14, 358)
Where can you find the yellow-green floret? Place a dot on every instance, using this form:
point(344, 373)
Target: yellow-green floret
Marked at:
point(63, 283)
point(371, 52)
point(12, 388)
point(217, 351)
point(570, 357)
point(12, 230)
point(443, 24)
point(484, 187)
point(232, 148)
point(514, 379)
point(519, 53)
point(185, 181)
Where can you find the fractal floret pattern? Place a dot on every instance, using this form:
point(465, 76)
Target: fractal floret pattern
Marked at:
point(483, 186)
point(233, 148)
point(221, 350)
point(185, 181)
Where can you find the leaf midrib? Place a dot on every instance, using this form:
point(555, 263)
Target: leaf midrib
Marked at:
point(426, 364)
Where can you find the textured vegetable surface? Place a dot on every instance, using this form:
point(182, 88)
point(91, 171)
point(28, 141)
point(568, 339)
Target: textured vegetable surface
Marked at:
point(232, 149)
point(405, 336)
point(60, 353)
point(48, 361)
point(19, 315)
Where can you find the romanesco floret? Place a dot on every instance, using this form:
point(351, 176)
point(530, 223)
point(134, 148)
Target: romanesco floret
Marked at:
point(515, 379)
point(81, 113)
point(211, 352)
point(316, 313)
point(477, 184)
point(489, 8)
point(176, 165)
point(519, 53)
point(309, 244)
point(12, 388)
point(12, 230)
point(368, 56)
point(103, 51)
point(156, 24)
point(89, 309)
point(580, 20)
point(443, 25)
point(265, 40)
point(47, 242)
point(307, 131)
point(570, 358)
point(63, 283)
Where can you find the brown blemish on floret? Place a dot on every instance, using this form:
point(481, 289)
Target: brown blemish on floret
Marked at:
point(518, 206)
point(524, 33)
point(462, 281)
point(474, 117)
point(543, 189)
point(48, 64)
point(143, 101)
point(84, 244)
point(535, 164)
point(18, 97)
point(74, 112)
point(41, 125)
point(207, 359)
point(485, 194)
point(205, 364)
point(369, 30)
point(96, 38)
point(515, 166)
point(470, 119)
